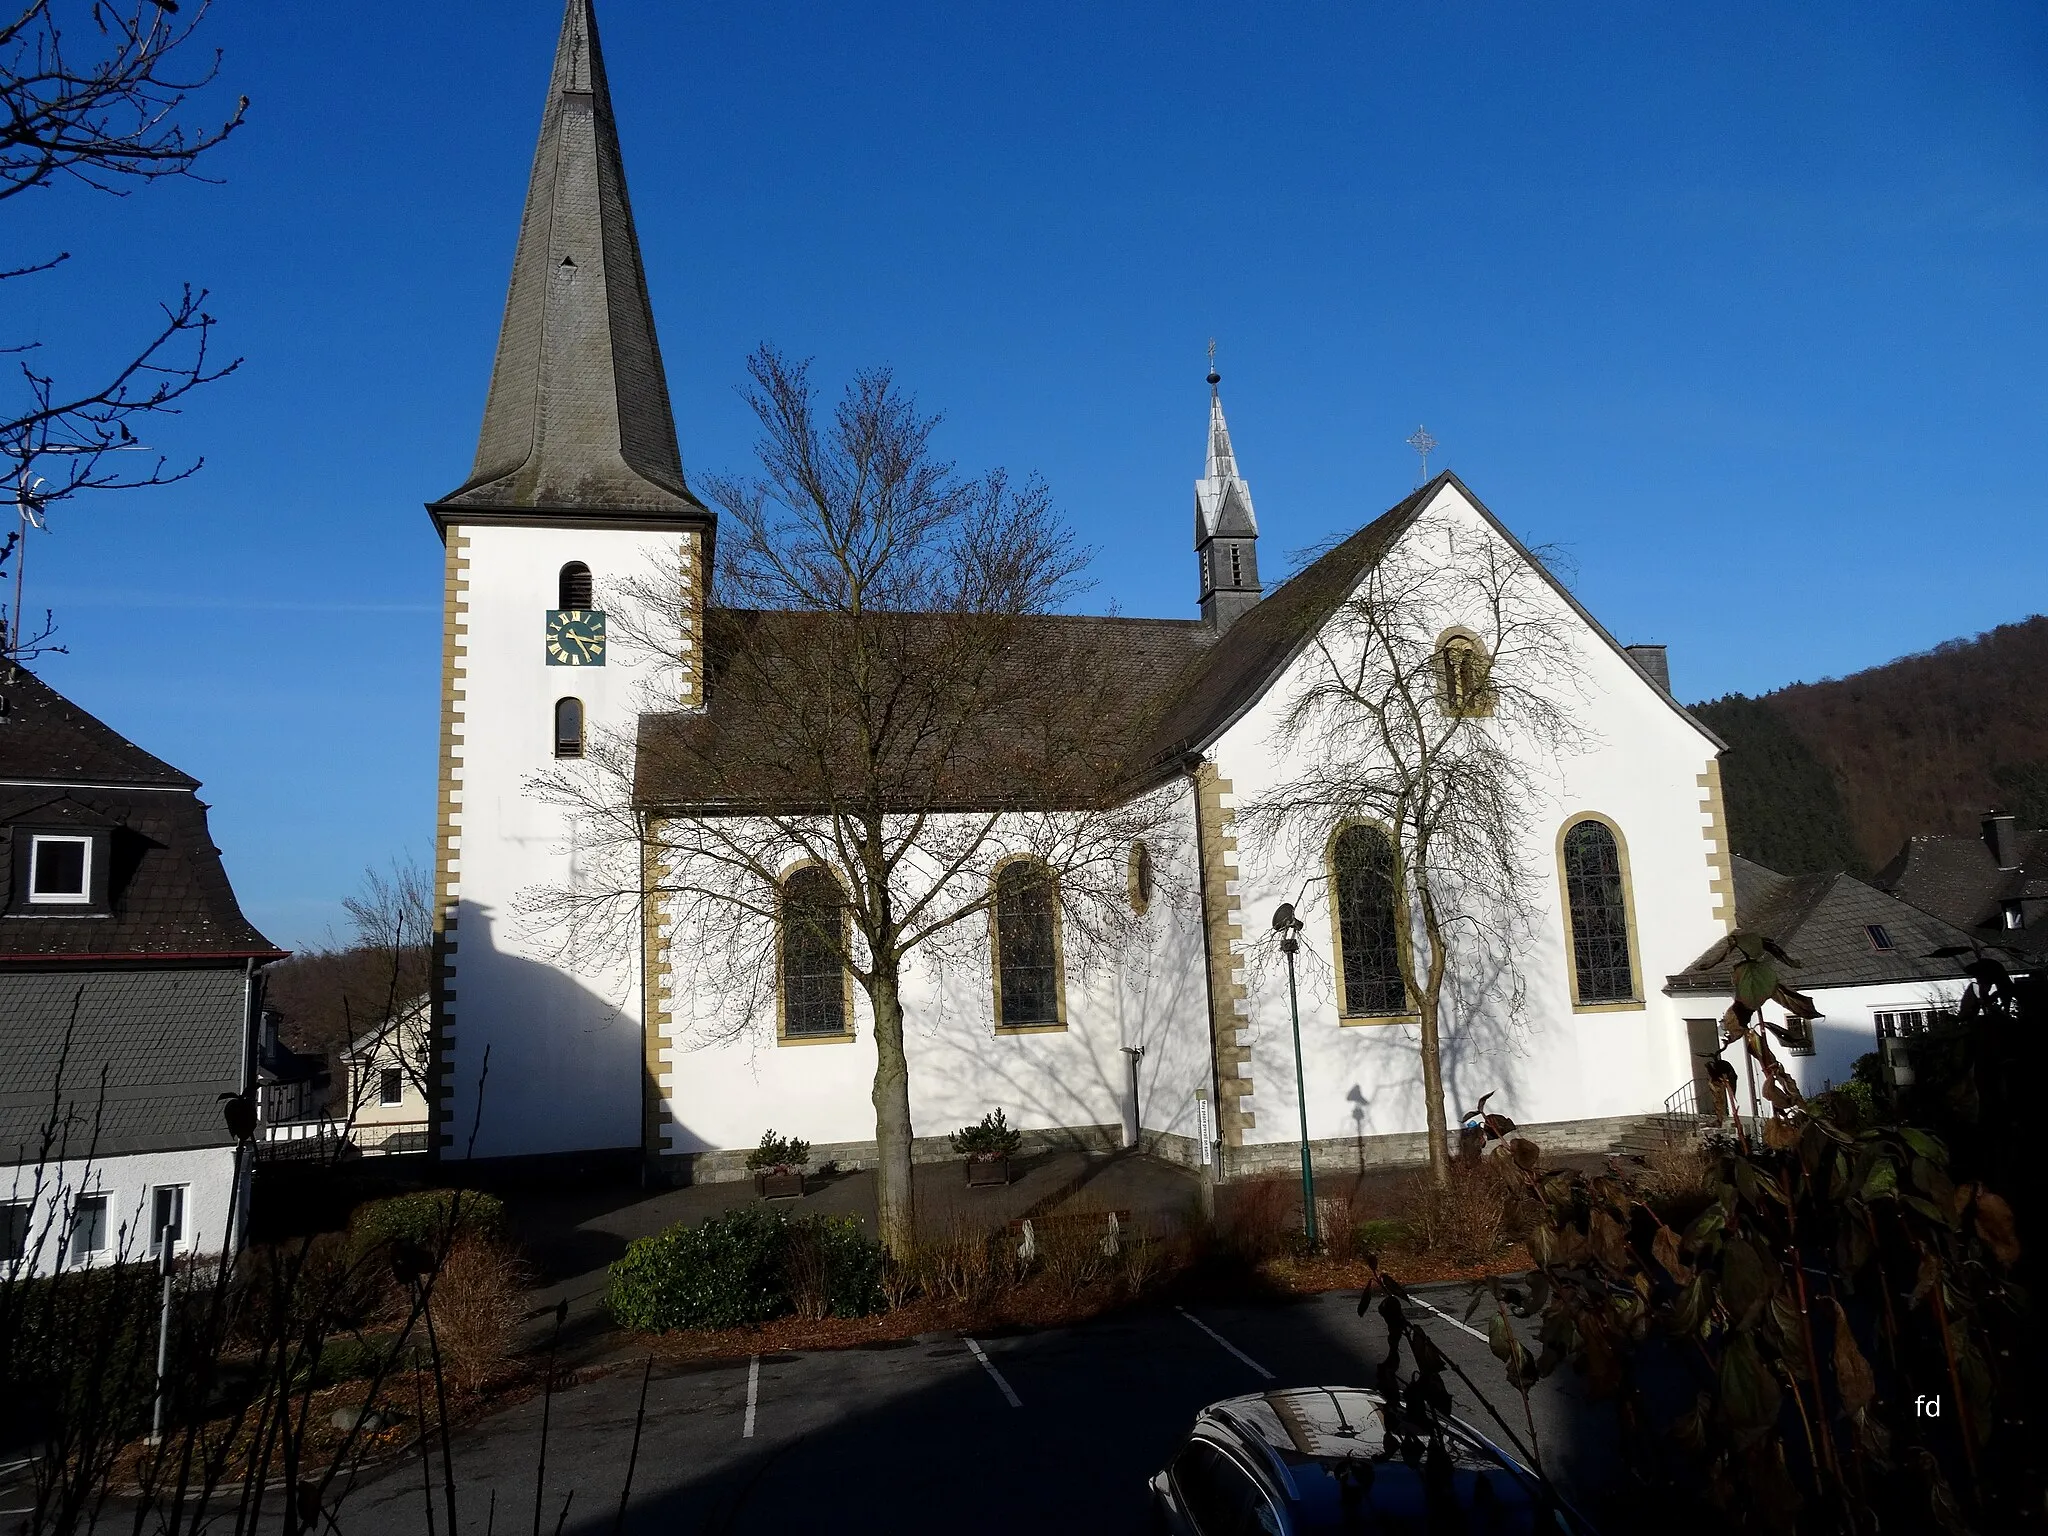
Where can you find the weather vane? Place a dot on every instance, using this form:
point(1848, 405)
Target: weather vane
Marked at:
point(1423, 444)
point(1214, 377)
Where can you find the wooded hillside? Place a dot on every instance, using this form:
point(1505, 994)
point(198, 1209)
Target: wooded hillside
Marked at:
point(1839, 773)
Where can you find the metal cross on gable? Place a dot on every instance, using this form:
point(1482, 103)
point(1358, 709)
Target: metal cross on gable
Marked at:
point(1422, 443)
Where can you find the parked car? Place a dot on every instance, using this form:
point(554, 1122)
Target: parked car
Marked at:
point(1310, 1460)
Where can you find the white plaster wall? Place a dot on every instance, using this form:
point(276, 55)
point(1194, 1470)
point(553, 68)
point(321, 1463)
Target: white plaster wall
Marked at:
point(208, 1173)
point(1641, 769)
point(1846, 1029)
point(564, 1036)
point(726, 1093)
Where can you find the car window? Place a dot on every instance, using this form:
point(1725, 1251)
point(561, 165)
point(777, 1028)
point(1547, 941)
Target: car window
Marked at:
point(1220, 1496)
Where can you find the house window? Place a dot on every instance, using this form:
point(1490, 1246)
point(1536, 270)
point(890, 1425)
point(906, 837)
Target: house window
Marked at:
point(1027, 947)
point(1905, 1023)
point(574, 588)
point(391, 1087)
point(88, 1227)
point(166, 1216)
point(1880, 937)
point(14, 1220)
point(568, 727)
point(814, 976)
point(1798, 1036)
point(1463, 671)
point(1596, 899)
point(60, 869)
point(2014, 913)
point(1363, 876)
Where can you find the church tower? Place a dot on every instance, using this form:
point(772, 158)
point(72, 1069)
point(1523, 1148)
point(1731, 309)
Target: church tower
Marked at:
point(1226, 533)
point(577, 490)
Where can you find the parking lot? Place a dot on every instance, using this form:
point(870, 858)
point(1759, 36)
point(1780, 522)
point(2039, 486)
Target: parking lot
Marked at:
point(1055, 1430)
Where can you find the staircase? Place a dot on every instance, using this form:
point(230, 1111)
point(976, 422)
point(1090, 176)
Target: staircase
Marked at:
point(1678, 1124)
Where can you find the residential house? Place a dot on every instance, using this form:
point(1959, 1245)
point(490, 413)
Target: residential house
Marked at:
point(129, 992)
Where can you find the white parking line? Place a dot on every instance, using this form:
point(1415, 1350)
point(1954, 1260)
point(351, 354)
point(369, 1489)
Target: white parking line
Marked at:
point(753, 1396)
point(996, 1375)
point(1247, 1359)
point(1454, 1322)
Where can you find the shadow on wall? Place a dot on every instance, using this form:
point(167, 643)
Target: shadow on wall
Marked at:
point(567, 1069)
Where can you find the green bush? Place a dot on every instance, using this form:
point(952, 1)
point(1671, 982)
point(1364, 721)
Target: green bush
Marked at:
point(994, 1137)
point(746, 1266)
point(425, 1219)
point(778, 1152)
point(347, 1358)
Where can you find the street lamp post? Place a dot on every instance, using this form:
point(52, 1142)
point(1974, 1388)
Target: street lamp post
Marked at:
point(1287, 925)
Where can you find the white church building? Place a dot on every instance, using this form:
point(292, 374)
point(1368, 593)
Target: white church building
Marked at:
point(1182, 1043)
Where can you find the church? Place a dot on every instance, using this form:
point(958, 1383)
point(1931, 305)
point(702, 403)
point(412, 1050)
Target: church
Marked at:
point(1183, 1042)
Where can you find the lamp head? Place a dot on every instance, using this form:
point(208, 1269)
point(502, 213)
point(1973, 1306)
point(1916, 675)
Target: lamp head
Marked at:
point(1284, 919)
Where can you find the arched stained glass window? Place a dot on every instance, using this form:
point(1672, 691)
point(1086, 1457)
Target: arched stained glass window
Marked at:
point(568, 727)
point(1368, 923)
point(1597, 896)
point(574, 587)
point(813, 954)
point(1027, 947)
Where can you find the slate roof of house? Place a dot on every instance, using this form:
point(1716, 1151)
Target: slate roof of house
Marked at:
point(1955, 877)
point(168, 894)
point(1822, 922)
point(1184, 684)
point(128, 1060)
point(577, 423)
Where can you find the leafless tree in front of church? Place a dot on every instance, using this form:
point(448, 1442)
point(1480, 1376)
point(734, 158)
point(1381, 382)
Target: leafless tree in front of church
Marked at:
point(894, 703)
point(97, 94)
point(1438, 743)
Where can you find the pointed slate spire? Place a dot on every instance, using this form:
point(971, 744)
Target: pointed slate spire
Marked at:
point(1226, 531)
point(578, 420)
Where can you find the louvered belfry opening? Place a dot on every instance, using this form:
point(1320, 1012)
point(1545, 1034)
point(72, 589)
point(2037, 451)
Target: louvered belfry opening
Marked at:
point(575, 586)
point(568, 727)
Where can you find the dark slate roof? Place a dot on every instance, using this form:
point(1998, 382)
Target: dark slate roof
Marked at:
point(578, 422)
point(168, 894)
point(44, 736)
point(117, 1061)
point(1822, 922)
point(1955, 877)
point(1180, 683)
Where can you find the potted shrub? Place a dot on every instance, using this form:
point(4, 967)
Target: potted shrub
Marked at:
point(778, 1166)
point(988, 1148)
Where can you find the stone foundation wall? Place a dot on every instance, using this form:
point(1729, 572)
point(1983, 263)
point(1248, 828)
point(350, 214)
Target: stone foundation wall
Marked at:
point(852, 1156)
point(1410, 1149)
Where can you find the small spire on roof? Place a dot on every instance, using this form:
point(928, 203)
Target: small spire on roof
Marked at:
point(1226, 531)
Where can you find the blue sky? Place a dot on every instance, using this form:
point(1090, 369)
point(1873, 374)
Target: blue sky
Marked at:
point(1742, 305)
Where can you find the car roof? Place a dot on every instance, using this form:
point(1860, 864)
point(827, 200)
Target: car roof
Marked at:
point(1329, 1448)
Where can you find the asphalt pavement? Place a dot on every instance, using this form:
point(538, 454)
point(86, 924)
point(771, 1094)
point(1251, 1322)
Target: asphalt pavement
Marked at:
point(1050, 1430)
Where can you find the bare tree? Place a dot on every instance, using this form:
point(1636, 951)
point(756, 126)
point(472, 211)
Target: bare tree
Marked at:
point(891, 697)
point(110, 116)
point(1434, 703)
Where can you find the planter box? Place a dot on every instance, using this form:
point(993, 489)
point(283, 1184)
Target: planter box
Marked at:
point(987, 1172)
point(780, 1183)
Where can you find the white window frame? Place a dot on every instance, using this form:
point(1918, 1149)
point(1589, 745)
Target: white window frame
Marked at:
point(386, 1076)
point(65, 898)
point(183, 1201)
point(80, 1255)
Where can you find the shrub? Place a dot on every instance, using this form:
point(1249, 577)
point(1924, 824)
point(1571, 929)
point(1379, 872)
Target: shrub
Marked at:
point(963, 1263)
point(778, 1152)
point(427, 1220)
point(1466, 1219)
point(1678, 1180)
point(1261, 1222)
point(1854, 1105)
point(745, 1267)
point(1377, 1235)
point(994, 1137)
point(351, 1357)
point(477, 1307)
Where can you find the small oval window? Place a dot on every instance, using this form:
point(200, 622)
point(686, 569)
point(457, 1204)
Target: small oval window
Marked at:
point(1141, 877)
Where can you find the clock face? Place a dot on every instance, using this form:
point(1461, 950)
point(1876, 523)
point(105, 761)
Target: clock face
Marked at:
point(575, 637)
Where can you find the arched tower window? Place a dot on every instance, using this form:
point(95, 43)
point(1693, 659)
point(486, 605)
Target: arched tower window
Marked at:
point(1368, 937)
point(814, 974)
point(568, 727)
point(1595, 872)
point(1028, 985)
point(575, 591)
point(1464, 675)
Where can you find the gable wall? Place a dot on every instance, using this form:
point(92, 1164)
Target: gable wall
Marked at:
point(1643, 770)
